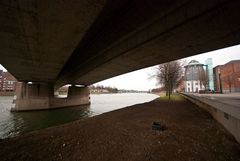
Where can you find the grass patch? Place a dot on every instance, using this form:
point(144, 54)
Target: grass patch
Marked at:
point(174, 97)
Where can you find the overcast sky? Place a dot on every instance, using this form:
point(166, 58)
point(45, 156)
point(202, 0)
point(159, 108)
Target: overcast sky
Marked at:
point(139, 80)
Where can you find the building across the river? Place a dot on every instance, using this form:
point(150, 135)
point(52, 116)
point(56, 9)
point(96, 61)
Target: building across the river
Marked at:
point(7, 81)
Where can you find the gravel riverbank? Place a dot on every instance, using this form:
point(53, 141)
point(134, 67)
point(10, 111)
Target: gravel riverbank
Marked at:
point(126, 134)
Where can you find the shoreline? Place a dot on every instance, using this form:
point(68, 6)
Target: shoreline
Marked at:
point(125, 134)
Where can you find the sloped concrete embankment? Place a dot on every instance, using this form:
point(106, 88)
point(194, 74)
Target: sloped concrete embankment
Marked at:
point(226, 114)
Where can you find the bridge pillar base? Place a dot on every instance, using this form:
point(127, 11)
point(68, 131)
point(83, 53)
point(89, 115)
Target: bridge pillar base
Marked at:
point(41, 97)
point(76, 96)
point(32, 96)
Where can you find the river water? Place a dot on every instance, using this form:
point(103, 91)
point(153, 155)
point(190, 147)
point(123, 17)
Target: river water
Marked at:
point(16, 123)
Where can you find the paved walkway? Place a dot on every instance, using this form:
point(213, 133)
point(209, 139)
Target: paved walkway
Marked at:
point(228, 103)
point(231, 98)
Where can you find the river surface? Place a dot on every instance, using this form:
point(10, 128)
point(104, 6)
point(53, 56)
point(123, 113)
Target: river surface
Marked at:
point(16, 123)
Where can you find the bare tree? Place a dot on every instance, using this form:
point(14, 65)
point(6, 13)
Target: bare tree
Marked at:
point(229, 79)
point(169, 74)
point(203, 77)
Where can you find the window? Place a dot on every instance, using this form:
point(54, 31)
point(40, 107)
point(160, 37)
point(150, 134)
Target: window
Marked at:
point(196, 83)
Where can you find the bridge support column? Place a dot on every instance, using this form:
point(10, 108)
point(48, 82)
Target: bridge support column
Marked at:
point(76, 96)
point(32, 96)
point(41, 97)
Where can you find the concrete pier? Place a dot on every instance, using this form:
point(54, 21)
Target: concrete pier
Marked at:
point(40, 96)
point(76, 96)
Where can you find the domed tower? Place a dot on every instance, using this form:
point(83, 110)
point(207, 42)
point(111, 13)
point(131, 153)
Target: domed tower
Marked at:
point(192, 76)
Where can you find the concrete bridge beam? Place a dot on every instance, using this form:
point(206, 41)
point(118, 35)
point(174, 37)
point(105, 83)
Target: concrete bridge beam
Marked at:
point(40, 96)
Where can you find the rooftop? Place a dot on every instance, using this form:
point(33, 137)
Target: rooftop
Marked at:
point(193, 62)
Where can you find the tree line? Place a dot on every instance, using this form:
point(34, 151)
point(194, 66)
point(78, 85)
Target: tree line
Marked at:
point(102, 88)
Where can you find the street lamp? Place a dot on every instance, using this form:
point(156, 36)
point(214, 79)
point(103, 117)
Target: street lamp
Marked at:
point(220, 81)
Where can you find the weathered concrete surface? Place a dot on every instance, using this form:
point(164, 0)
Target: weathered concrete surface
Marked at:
point(38, 37)
point(32, 96)
point(40, 97)
point(86, 41)
point(76, 96)
point(232, 99)
point(228, 114)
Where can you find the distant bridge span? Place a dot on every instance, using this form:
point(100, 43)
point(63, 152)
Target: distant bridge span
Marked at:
point(86, 41)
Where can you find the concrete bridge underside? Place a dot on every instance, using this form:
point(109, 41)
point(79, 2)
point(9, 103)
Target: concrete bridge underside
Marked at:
point(86, 41)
